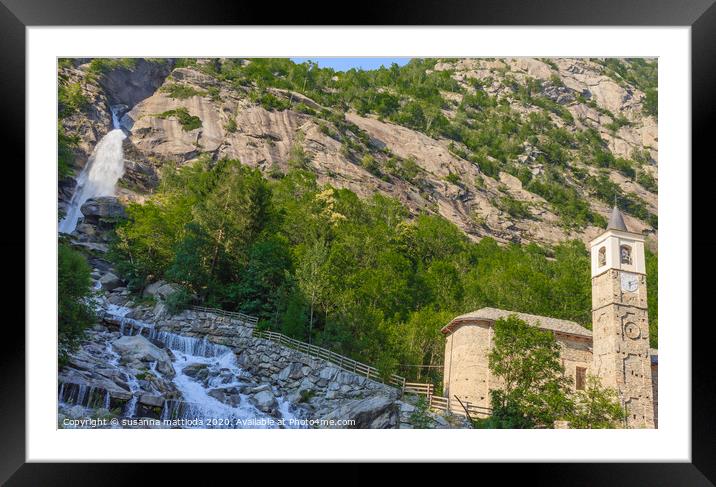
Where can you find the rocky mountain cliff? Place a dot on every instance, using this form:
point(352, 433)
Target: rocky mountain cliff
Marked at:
point(523, 150)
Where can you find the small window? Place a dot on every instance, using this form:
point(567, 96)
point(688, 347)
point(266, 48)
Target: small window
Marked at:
point(602, 256)
point(581, 378)
point(625, 253)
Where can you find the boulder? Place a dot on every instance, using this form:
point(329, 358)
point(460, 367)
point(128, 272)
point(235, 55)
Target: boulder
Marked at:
point(292, 371)
point(196, 371)
point(377, 412)
point(163, 292)
point(76, 412)
point(151, 401)
point(151, 289)
point(261, 388)
point(137, 350)
point(228, 396)
point(109, 282)
point(103, 207)
point(264, 401)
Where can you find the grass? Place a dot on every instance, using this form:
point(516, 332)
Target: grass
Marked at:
point(104, 65)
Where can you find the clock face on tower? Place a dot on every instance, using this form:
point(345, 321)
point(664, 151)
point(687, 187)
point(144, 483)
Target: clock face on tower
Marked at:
point(630, 282)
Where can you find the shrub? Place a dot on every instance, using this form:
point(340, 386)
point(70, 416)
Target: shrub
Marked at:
point(181, 92)
point(214, 93)
point(515, 208)
point(188, 122)
point(651, 102)
point(178, 301)
point(420, 417)
point(104, 65)
point(488, 166)
point(370, 164)
point(231, 125)
point(297, 156)
point(70, 99)
point(65, 152)
point(75, 314)
point(647, 181)
point(269, 101)
point(453, 178)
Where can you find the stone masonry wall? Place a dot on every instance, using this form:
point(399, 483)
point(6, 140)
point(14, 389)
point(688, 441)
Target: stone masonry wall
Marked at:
point(315, 385)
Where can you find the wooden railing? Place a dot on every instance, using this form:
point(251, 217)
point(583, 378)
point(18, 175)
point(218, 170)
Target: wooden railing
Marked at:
point(439, 403)
point(419, 388)
point(252, 320)
point(332, 357)
point(435, 403)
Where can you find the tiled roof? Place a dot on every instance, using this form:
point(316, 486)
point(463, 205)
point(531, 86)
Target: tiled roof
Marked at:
point(544, 322)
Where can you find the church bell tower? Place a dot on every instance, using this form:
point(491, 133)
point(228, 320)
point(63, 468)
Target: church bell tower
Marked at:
point(620, 324)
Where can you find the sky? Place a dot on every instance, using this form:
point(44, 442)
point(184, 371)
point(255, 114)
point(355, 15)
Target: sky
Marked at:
point(346, 63)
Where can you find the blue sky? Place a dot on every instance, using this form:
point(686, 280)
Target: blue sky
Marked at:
point(346, 63)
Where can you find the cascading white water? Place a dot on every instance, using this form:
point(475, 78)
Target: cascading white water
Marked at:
point(99, 176)
point(196, 401)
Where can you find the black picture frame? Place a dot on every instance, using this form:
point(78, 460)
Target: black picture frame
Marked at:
point(700, 15)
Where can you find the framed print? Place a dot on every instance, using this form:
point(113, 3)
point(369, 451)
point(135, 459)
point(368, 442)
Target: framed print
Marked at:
point(247, 243)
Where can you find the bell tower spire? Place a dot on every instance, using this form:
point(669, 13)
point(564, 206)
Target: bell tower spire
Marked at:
point(620, 323)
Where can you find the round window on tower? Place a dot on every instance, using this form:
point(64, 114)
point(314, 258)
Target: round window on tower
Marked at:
point(602, 256)
point(625, 254)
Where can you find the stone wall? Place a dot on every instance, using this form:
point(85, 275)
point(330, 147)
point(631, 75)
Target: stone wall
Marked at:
point(320, 389)
point(466, 373)
point(466, 370)
point(575, 352)
point(219, 329)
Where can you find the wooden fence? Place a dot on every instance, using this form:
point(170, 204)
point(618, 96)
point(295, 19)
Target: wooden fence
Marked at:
point(435, 403)
point(453, 405)
point(419, 388)
point(252, 320)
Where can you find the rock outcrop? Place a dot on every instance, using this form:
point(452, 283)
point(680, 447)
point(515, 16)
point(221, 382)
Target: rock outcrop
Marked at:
point(446, 182)
point(138, 352)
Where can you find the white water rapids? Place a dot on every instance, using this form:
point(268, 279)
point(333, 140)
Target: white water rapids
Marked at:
point(99, 176)
point(196, 402)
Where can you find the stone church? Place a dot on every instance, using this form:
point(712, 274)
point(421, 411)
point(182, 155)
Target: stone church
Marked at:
point(616, 349)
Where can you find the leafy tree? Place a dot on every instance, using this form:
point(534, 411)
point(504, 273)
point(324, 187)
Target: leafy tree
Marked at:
point(534, 390)
point(359, 276)
point(596, 407)
point(297, 158)
point(74, 289)
point(263, 281)
point(312, 276)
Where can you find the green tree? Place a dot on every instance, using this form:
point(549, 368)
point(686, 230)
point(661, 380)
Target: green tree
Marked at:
point(297, 156)
point(596, 407)
point(74, 288)
point(534, 390)
point(312, 276)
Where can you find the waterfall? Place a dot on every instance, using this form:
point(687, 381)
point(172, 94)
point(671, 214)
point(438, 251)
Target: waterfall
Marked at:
point(99, 176)
point(196, 402)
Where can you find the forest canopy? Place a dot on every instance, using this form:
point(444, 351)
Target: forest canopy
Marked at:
point(359, 276)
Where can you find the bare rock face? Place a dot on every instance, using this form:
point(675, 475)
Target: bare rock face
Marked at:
point(130, 86)
point(232, 126)
point(377, 412)
point(102, 207)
